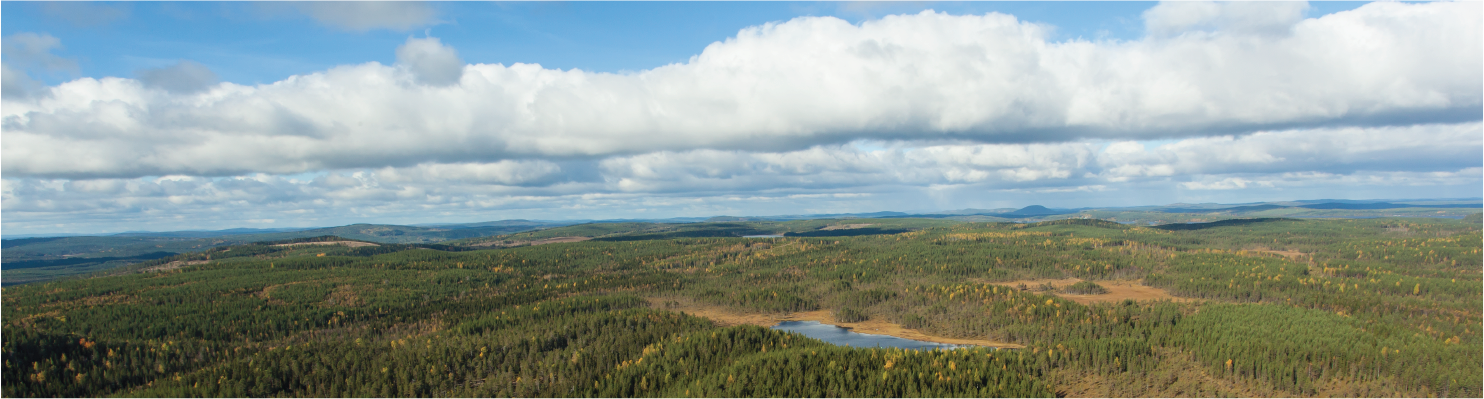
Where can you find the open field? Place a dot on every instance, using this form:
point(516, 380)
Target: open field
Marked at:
point(1118, 290)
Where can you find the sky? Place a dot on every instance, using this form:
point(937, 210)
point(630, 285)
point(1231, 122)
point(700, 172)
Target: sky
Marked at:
point(161, 116)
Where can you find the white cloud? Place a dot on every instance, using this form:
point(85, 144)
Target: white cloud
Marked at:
point(510, 173)
point(1419, 160)
point(778, 87)
point(1340, 150)
point(15, 83)
point(361, 16)
point(845, 166)
point(813, 115)
point(184, 77)
point(1230, 183)
point(431, 62)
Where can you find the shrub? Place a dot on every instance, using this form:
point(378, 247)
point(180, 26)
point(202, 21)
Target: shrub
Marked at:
point(1086, 288)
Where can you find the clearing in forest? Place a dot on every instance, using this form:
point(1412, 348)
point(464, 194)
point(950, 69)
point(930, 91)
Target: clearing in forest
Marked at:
point(1118, 290)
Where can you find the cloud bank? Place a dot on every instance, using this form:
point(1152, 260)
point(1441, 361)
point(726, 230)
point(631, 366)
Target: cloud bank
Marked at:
point(785, 86)
point(815, 110)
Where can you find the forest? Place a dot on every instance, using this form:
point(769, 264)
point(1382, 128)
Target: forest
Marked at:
point(1245, 307)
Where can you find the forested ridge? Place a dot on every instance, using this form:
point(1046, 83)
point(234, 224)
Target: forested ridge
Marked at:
point(1281, 307)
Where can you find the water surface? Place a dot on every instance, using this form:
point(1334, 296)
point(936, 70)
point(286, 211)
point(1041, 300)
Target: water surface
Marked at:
point(844, 336)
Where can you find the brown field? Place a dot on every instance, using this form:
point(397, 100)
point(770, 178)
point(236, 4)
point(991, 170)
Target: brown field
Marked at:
point(1118, 290)
point(727, 317)
point(1290, 254)
point(553, 240)
point(351, 244)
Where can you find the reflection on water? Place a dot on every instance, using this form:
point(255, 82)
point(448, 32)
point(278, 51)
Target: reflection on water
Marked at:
point(765, 236)
point(844, 336)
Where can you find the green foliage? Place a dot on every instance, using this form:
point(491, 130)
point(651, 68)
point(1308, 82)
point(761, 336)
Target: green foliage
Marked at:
point(1086, 288)
point(851, 315)
point(1297, 349)
point(1305, 307)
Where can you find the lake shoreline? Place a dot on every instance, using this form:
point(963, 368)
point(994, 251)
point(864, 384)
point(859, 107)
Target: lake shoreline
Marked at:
point(728, 317)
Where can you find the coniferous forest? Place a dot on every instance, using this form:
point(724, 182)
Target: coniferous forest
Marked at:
point(1273, 307)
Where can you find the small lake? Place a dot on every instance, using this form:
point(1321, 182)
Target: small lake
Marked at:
point(765, 236)
point(844, 336)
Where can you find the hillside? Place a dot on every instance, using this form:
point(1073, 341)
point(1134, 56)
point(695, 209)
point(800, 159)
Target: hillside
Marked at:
point(649, 231)
point(1265, 308)
point(41, 259)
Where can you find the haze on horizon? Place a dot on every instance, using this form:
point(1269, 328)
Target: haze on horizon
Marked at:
point(204, 116)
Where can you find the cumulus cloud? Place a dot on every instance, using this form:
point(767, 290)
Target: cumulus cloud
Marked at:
point(1340, 151)
point(821, 179)
point(1230, 183)
point(510, 173)
point(1337, 150)
point(812, 115)
point(430, 62)
point(184, 77)
point(993, 165)
point(361, 16)
point(15, 83)
point(778, 87)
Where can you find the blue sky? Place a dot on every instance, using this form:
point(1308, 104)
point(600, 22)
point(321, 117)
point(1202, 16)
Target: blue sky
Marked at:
point(159, 116)
point(255, 43)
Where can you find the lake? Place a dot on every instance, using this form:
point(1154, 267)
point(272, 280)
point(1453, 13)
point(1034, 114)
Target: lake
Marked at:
point(844, 336)
point(765, 236)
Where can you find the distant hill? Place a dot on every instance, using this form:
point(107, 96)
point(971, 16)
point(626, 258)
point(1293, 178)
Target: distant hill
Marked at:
point(395, 234)
point(1235, 209)
point(40, 258)
point(1348, 205)
point(636, 231)
point(46, 258)
point(204, 234)
point(1035, 210)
